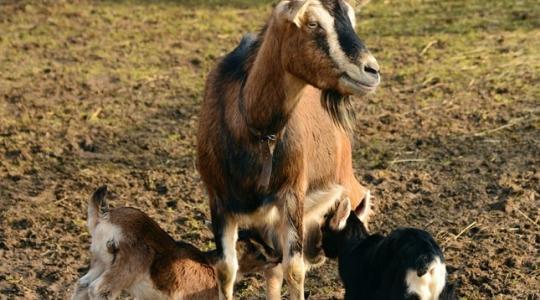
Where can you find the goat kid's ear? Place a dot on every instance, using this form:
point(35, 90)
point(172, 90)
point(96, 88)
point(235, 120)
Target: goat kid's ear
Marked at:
point(339, 219)
point(260, 248)
point(294, 10)
point(100, 201)
point(364, 210)
point(269, 254)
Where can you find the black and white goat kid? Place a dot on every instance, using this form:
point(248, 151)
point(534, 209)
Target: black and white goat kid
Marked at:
point(407, 264)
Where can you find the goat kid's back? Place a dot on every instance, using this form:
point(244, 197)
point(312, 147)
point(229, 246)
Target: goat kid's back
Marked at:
point(130, 252)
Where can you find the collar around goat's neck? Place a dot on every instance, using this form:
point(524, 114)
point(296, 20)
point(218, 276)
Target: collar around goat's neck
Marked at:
point(266, 139)
point(261, 135)
point(279, 112)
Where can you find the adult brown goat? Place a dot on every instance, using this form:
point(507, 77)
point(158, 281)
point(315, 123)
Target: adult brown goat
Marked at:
point(273, 145)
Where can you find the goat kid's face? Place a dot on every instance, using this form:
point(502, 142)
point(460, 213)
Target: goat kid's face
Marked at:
point(255, 256)
point(321, 46)
point(340, 226)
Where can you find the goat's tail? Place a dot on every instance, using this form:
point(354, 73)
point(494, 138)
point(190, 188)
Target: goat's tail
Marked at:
point(97, 207)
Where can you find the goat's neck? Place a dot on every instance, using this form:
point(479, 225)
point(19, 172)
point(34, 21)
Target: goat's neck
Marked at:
point(367, 244)
point(270, 93)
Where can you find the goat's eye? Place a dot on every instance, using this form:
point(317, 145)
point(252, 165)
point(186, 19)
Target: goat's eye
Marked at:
point(313, 25)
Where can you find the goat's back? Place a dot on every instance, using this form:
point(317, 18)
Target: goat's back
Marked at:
point(188, 273)
point(137, 227)
point(422, 260)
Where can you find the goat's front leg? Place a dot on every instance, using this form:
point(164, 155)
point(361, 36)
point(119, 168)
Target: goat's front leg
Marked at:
point(292, 244)
point(225, 234)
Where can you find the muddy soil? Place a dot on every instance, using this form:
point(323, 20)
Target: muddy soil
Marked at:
point(108, 92)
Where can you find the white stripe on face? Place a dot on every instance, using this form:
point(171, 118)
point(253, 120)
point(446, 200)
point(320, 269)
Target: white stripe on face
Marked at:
point(352, 16)
point(337, 54)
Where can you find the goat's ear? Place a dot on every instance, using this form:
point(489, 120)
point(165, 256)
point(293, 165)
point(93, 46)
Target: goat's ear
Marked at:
point(257, 245)
point(358, 3)
point(294, 10)
point(339, 219)
point(362, 3)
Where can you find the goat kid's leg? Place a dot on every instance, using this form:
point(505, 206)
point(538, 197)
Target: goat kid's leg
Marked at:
point(226, 235)
point(292, 245)
point(113, 280)
point(105, 287)
point(81, 291)
point(274, 281)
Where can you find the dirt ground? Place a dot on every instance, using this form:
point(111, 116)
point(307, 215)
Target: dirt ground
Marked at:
point(108, 92)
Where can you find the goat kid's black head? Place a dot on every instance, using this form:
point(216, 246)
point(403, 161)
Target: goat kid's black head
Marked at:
point(342, 227)
point(320, 46)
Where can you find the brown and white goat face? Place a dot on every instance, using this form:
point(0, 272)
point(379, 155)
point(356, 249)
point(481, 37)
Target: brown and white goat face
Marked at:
point(321, 47)
point(255, 256)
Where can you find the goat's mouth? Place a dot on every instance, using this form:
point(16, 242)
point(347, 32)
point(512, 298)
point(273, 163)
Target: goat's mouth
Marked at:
point(364, 84)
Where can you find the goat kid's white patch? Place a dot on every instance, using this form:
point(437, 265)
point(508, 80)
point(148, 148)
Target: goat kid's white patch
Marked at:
point(104, 232)
point(430, 285)
point(326, 21)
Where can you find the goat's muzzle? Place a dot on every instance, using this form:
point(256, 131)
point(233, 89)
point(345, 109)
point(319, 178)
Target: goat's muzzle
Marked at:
point(362, 78)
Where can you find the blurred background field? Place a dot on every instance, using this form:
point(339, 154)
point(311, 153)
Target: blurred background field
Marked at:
point(108, 92)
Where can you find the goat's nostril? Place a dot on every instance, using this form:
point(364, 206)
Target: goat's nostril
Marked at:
point(370, 66)
point(369, 69)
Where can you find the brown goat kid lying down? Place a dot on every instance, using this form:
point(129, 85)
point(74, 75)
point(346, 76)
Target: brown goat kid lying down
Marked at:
point(130, 252)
